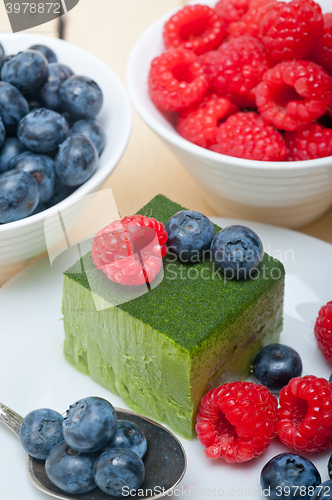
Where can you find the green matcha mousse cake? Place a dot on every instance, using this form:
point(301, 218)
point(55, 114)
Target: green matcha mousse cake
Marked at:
point(163, 350)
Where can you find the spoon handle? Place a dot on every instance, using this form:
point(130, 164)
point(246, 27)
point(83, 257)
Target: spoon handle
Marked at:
point(10, 418)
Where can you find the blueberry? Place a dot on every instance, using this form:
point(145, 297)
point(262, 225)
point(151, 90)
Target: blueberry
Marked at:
point(129, 436)
point(330, 379)
point(52, 154)
point(324, 490)
point(57, 74)
point(284, 472)
point(2, 55)
point(275, 365)
point(2, 133)
point(329, 467)
point(70, 470)
point(8, 58)
point(40, 431)
point(77, 160)
point(237, 251)
point(42, 130)
point(26, 71)
point(70, 118)
point(91, 129)
point(39, 208)
point(19, 195)
point(46, 51)
point(89, 424)
point(61, 191)
point(81, 96)
point(33, 102)
point(13, 106)
point(117, 469)
point(11, 148)
point(41, 167)
point(189, 235)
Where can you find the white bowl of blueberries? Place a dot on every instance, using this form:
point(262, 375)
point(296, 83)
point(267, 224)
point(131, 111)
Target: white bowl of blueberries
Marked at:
point(65, 121)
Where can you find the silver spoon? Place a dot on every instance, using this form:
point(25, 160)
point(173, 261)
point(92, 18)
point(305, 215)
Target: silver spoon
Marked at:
point(165, 460)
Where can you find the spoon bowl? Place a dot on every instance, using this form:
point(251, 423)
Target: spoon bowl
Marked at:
point(165, 460)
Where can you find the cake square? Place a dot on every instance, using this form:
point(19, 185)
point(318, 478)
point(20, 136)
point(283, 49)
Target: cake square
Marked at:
point(162, 351)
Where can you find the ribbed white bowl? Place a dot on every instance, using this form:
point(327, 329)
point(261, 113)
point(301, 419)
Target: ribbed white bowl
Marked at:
point(22, 241)
point(290, 194)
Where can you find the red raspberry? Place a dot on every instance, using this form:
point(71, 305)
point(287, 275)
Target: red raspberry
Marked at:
point(322, 51)
point(323, 331)
point(293, 94)
point(177, 80)
point(305, 414)
point(199, 124)
point(289, 30)
point(236, 68)
point(246, 135)
point(195, 27)
point(249, 24)
point(237, 421)
point(126, 250)
point(232, 10)
point(313, 141)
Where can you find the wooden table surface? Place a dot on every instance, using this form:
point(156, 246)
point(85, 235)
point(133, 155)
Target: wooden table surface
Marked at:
point(109, 29)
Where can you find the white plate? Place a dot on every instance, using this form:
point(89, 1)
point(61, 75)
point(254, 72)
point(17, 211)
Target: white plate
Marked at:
point(34, 374)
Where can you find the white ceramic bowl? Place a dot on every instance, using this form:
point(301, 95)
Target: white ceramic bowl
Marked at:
point(22, 241)
point(290, 194)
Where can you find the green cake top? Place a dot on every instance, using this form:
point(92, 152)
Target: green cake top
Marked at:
point(193, 301)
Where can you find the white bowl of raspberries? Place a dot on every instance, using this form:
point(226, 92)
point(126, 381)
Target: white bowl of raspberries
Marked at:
point(65, 121)
point(241, 92)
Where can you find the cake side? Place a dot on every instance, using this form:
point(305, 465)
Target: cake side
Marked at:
point(129, 358)
point(229, 356)
point(147, 370)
